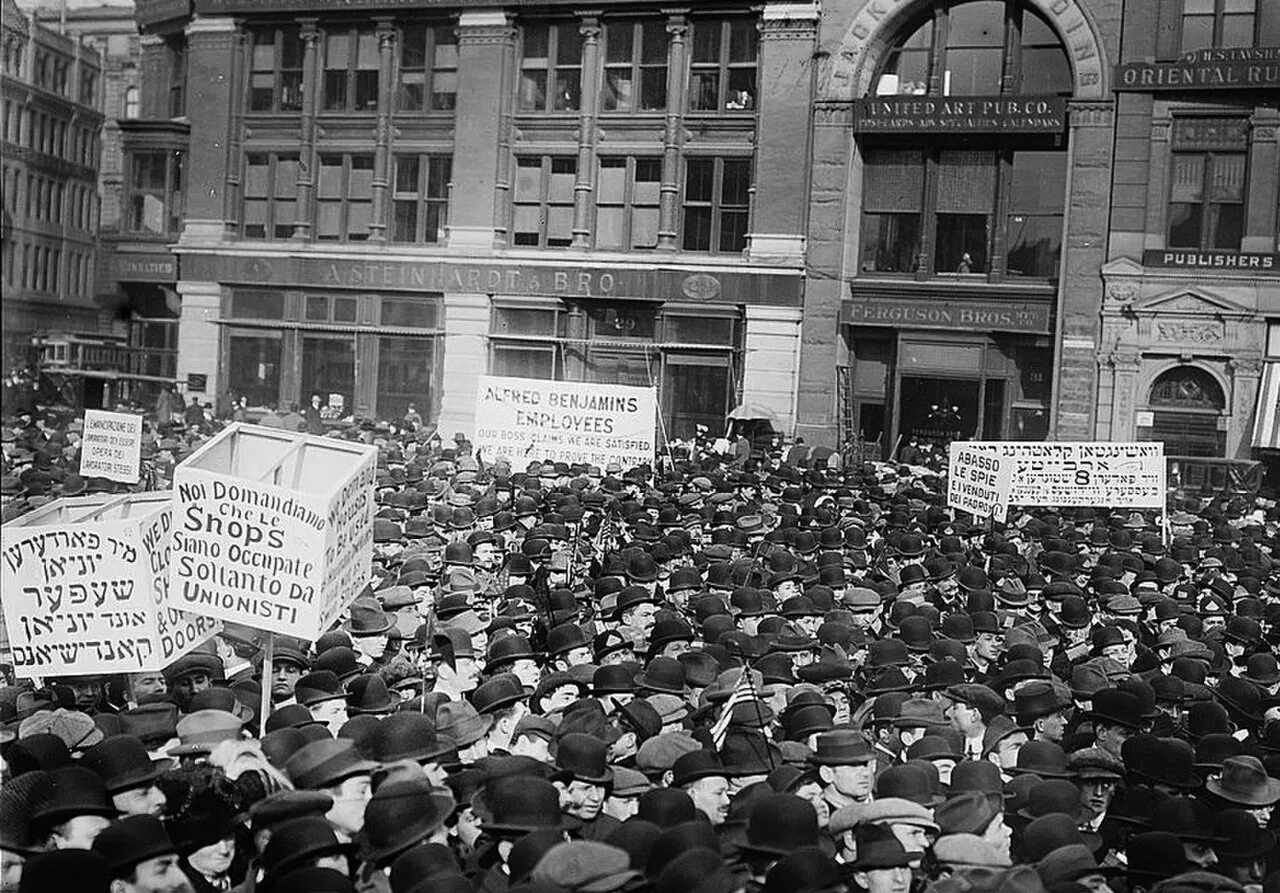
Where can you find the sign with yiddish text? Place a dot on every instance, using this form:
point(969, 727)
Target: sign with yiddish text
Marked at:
point(531, 420)
point(273, 529)
point(960, 114)
point(1082, 473)
point(86, 588)
point(111, 445)
point(978, 481)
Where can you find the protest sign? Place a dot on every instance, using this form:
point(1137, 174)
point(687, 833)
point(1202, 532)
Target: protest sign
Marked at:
point(1082, 473)
point(111, 445)
point(978, 481)
point(85, 588)
point(273, 529)
point(530, 420)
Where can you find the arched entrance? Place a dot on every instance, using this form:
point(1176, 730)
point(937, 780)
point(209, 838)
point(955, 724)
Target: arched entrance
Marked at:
point(1187, 405)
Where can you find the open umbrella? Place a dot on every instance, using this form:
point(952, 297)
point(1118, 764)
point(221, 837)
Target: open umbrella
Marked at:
point(747, 412)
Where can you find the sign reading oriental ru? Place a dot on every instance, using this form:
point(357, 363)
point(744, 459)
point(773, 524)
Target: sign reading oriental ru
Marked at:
point(1238, 68)
point(966, 114)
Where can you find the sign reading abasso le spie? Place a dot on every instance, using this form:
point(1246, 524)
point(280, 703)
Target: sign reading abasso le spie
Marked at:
point(978, 481)
point(530, 420)
point(111, 446)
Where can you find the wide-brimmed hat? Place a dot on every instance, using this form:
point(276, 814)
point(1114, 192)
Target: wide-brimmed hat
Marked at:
point(368, 618)
point(1244, 781)
point(460, 721)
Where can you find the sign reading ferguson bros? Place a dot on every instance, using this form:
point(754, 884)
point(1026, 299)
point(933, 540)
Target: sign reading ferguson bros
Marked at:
point(273, 529)
point(529, 420)
point(85, 585)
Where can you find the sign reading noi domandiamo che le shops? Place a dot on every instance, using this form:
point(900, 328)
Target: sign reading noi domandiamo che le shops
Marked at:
point(273, 529)
point(531, 420)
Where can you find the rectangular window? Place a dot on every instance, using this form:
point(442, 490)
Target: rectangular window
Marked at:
point(351, 70)
point(542, 202)
point(627, 196)
point(420, 198)
point(406, 376)
point(344, 198)
point(717, 201)
point(892, 206)
point(1207, 192)
point(177, 50)
point(1037, 195)
point(1217, 23)
point(275, 76)
point(248, 304)
point(551, 67)
point(270, 195)
point(154, 184)
point(428, 69)
point(722, 70)
point(635, 66)
point(966, 192)
point(89, 88)
point(410, 313)
point(253, 370)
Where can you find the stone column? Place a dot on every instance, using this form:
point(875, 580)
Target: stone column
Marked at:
point(382, 139)
point(466, 358)
point(198, 332)
point(153, 78)
point(306, 186)
point(1246, 373)
point(1125, 365)
point(584, 183)
point(784, 78)
point(771, 361)
point(210, 59)
point(485, 42)
point(673, 130)
point(1073, 409)
point(239, 102)
point(1264, 149)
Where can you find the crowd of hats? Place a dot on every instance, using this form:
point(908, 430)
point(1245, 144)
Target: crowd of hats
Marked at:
point(705, 676)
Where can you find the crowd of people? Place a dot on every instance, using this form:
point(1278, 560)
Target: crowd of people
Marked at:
point(722, 674)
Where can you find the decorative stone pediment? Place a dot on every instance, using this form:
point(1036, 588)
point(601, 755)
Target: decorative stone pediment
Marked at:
point(1193, 301)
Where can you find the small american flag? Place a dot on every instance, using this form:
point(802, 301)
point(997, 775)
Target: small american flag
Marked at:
point(743, 691)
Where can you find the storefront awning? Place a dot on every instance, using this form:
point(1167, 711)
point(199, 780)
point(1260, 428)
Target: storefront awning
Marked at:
point(1266, 419)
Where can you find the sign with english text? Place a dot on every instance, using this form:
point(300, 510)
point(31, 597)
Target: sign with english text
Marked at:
point(531, 420)
point(978, 481)
point(273, 529)
point(1223, 68)
point(85, 586)
point(962, 114)
point(1081, 473)
point(111, 445)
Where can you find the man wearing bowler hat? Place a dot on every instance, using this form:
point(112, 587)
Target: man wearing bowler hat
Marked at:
point(141, 857)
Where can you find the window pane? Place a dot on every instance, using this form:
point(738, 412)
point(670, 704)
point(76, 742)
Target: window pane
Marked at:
point(253, 370)
point(568, 90)
point(286, 182)
point(644, 228)
point(654, 40)
point(344, 309)
point(613, 180)
point(438, 176)
point(361, 176)
point(257, 304)
point(893, 180)
point(366, 50)
point(976, 24)
point(890, 242)
point(966, 181)
point(1184, 224)
point(409, 313)
point(704, 90)
point(609, 223)
point(697, 229)
point(359, 215)
point(742, 90)
point(1188, 178)
point(1046, 70)
point(316, 308)
point(618, 42)
point(533, 90)
point(1227, 183)
point(407, 173)
point(329, 369)
point(906, 72)
point(737, 183)
point(523, 362)
point(961, 243)
point(1228, 227)
point(559, 226)
point(972, 72)
point(653, 88)
point(257, 169)
point(523, 321)
point(405, 371)
point(733, 230)
point(699, 180)
point(648, 181)
point(618, 93)
point(330, 185)
point(405, 222)
point(1197, 32)
point(1039, 182)
point(528, 179)
point(535, 42)
point(563, 173)
point(706, 41)
point(569, 45)
point(285, 214)
point(742, 41)
point(1237, 30)
point(1035, 245)
point(336, 53)
point(413, 47)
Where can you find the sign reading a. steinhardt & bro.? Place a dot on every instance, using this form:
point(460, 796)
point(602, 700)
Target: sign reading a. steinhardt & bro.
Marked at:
point(529, 420)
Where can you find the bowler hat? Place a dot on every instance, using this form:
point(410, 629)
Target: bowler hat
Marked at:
point(79, 870)
point(132, 840)
point(407, 736)
point(520, 804)
point(123, 763)
point(779, 824)
point(68, 792)
point(498, 693)
point(582, 757)
point(368, 693)
point(663, 674)
point(508, 650)
point(1154, 855)
point(696, 765)
point(297, 841)
point(1117, 707)
point(399, 815)
point(318, 686)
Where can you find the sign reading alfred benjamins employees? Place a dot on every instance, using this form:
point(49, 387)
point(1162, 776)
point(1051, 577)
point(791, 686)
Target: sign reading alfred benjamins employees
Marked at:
point(1231, 68)
point(527, 420)
point(978, 481)
point(85, 586)
point(1122, 475)
point(968, 114)
point(273, 529)
point(111, 445)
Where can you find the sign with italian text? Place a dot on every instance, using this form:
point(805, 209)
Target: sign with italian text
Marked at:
point(273, 529)
point(531, 420)
point(1081, 473)
point(86, 588)
point(960, 114)
point(111, 445)
point(978, 481)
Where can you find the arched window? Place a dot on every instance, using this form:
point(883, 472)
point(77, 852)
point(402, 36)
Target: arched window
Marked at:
point(132, 106)
point(981, 48)
point(1186, 405)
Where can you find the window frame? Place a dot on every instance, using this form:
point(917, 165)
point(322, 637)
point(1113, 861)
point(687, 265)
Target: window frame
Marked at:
point(279, 87)
point(716, 205)
point(628, 205)
point(346, 200)
point(547, 163)
point(171, 198)
point(269, 222)
point(551, 69)
point(422, 198)
point(1219, 15)
point(636, 67)
point(1209, 152)
point(352, 72)
point(723, 66)
point(431, 68)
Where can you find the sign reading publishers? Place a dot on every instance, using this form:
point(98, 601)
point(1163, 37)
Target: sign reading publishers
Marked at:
point(111, 446)
point(273, 529)
point(528, 420)
point(978, 481)
point(85, 586)
point(1129, 475)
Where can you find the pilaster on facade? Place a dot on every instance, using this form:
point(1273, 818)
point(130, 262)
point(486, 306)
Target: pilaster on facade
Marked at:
point(309, 32)
point(210, 59)
point(385, 33)
point(673, 133)
point(584, 182)
point(771, 361)
point(466, 329)
point(1264, 157)
point(198, 332)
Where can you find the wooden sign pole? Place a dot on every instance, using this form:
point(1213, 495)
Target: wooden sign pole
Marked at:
point(268, 659)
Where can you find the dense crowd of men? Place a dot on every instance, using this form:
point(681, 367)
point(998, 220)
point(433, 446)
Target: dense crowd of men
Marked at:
point(711, 676)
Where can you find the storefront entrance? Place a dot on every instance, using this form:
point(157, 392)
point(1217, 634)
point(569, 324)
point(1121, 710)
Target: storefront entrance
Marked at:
point(940, 410)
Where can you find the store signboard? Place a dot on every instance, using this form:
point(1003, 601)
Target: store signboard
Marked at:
point(919, 313)
point(960, 114)
point(1230, 68)
point(1082, 473)
point(1190, 259)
